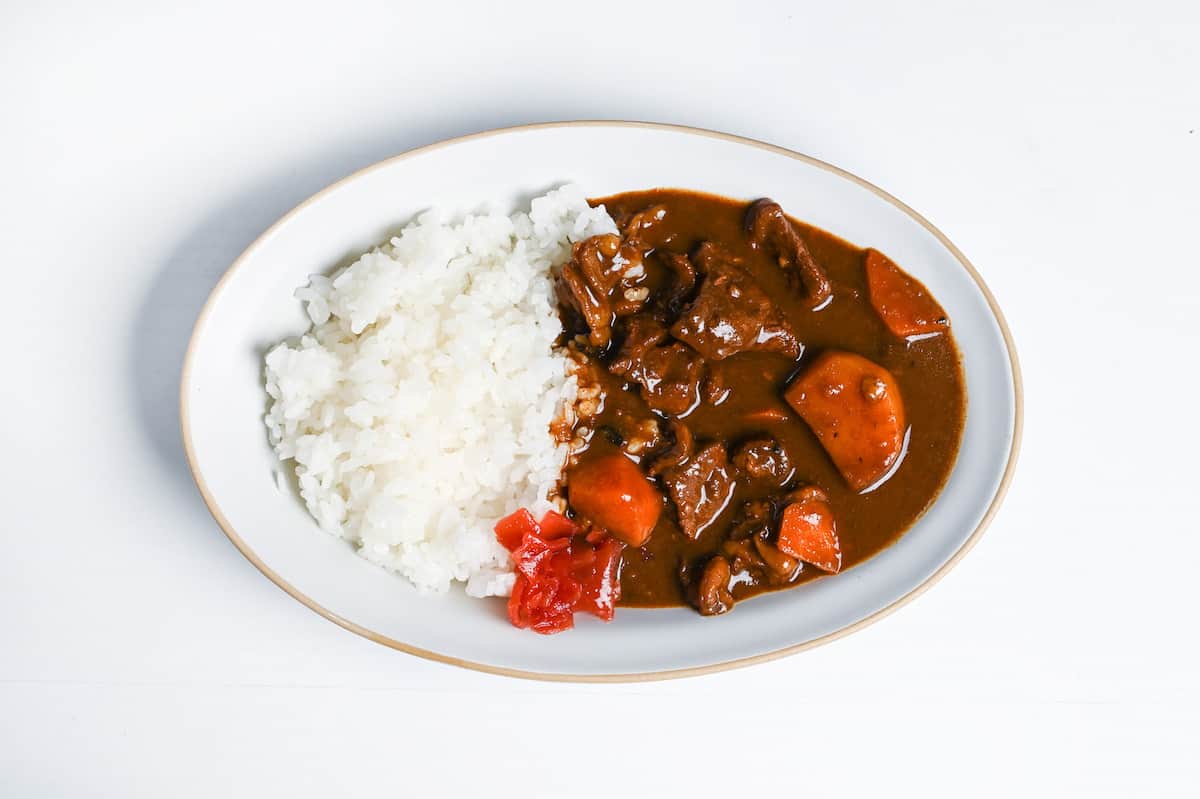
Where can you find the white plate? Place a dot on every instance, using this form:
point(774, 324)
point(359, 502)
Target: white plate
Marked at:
point(223, 400)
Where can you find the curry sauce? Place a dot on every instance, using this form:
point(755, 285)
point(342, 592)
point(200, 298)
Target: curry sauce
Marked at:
point(757, 403)
point(748, 405)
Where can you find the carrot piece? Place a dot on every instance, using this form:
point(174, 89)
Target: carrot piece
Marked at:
point(902, 302)
point(612, 493)
point(767, 416)
point(854, 408)
point(808, 532)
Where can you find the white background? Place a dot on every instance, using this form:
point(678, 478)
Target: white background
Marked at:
point(142, 148)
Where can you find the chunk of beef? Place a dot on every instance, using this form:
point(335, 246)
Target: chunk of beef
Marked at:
point(743, 559)
point(732, 313)
point(589, 277)
point(633, 433)
point(641, 334)
point(684, 282)
point(781, 567)
point(635, 226)
point(592, 306)
point(602, 282)
point(700, 488)
point(763, 459)
point(770, 230)
point(716, 388)
point(669, 377)
point(680, 451)
point(756, 561)
point(630, 296)
point(753, 519)
point(712, 592)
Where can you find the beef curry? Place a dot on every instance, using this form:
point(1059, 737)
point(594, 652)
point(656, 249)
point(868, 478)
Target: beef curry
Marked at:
point(758, 403)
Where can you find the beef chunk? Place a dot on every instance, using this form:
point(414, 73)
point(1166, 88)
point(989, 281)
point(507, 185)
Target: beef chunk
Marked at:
point(753, 519)
point(602, 282)
point(700, 488)
point(684, 279)
point(732, 313)
point(633, 433)
point(781, 567)
point(770, 230)
point(763, 459)
point(748, 551)
point(669, 377)
point(589, 277)
point(716, 388)
point(636, 226)
point(641, 334)
point(682, 445)
point(712, 595)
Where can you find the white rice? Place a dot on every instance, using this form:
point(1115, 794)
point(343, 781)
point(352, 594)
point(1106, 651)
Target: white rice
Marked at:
point(417, 407)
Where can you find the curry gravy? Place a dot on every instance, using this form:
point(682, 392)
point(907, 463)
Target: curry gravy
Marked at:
point(927, 370)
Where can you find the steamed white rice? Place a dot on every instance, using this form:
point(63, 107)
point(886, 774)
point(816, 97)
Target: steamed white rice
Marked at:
point(416, 409)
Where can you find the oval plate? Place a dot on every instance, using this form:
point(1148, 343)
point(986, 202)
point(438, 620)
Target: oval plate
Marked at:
point(223, 400)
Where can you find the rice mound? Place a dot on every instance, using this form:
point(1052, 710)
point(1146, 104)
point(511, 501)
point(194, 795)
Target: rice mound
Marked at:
point(417, 406)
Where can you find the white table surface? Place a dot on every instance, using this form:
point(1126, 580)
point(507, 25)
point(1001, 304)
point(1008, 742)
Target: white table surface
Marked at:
point(142, 147)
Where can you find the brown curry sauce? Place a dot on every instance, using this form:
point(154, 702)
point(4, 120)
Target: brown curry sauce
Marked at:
point(664, 571)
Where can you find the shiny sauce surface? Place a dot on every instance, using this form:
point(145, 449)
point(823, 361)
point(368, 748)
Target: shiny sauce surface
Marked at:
point(927, 370)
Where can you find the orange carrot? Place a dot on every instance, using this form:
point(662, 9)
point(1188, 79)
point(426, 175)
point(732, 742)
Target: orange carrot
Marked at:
point(904, 305)
point(767, 416)
point(612, 493)
point(808, 532)
point(854, 408)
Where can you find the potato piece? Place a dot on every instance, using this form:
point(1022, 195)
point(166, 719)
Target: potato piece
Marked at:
point(904, 305)
point(854, 408)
